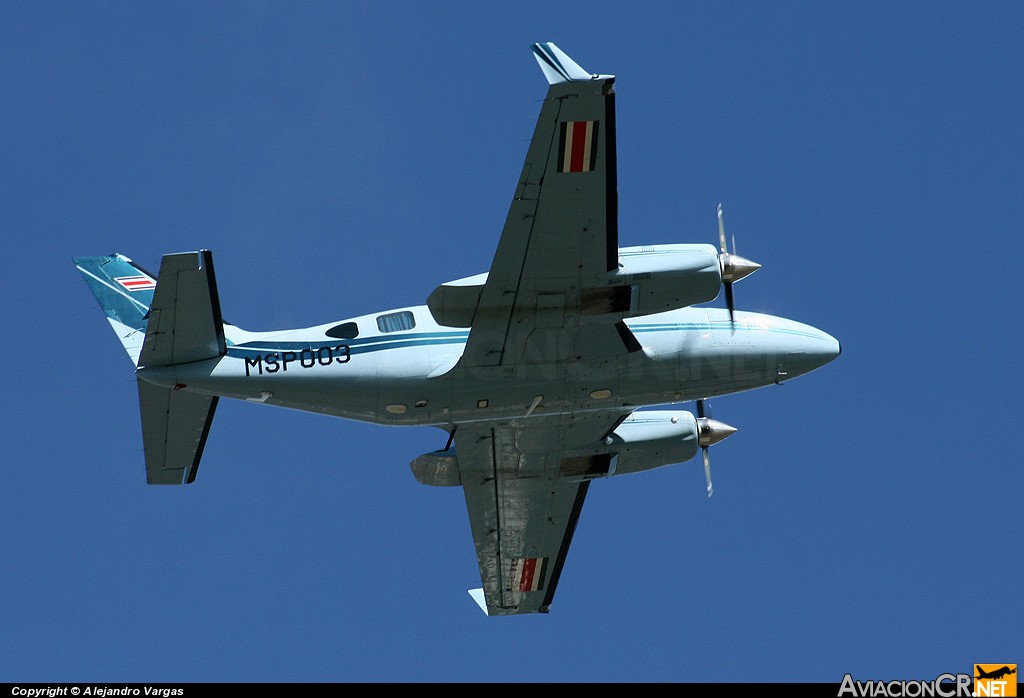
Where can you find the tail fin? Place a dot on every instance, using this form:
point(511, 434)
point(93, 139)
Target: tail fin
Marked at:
point(171, 320)
point(125, 292)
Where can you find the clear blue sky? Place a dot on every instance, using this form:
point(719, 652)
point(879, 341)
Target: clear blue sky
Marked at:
point(342, 158)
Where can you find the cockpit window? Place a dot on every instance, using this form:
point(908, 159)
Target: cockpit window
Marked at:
point(346, 330)
point(393, 322)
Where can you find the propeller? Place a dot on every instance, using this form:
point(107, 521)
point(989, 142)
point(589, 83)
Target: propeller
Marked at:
point(709, 432)
point(734, 267)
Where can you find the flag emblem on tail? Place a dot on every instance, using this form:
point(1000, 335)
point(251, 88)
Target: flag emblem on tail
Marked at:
point(136, 283)
point(577, 146)
point(528, 574)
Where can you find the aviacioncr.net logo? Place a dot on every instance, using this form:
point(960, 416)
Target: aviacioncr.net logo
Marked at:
point(944, 686)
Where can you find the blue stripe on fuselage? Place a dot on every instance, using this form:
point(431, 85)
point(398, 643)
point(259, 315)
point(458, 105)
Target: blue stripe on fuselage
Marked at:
point(358, 346)
point(417, 339)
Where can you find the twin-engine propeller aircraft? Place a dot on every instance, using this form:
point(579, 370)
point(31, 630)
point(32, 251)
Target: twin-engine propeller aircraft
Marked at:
point(535, 369)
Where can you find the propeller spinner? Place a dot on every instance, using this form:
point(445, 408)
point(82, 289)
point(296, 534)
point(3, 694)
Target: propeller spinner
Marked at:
point(734, 267)
point(709, 432)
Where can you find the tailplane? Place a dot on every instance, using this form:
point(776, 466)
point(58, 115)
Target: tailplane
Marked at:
point(164, 321)
point(184, 321)
point(175, 424)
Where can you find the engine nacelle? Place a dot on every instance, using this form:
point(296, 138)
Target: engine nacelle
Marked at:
point(645, 440)
point(439, 468)
point(666, 277)
point(453, 304)
point(649, 279)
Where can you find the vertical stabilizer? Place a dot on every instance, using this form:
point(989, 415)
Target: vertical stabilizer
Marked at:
point(125, 292)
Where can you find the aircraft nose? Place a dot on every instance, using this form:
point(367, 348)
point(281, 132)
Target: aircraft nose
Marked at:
point(812, 350)
point(829, 348)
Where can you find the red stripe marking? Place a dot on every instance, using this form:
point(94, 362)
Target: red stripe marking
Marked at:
point(136, 283)
point(529, 568)
point(579, 143)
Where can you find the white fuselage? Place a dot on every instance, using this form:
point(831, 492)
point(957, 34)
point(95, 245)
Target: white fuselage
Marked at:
point(410, 376)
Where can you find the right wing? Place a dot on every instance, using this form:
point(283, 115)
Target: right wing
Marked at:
point(524, 492)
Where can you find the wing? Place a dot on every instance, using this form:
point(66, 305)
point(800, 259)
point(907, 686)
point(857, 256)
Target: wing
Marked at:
point(547, 287)
point(524, 492)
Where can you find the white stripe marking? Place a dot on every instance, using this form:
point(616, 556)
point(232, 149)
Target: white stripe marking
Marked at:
point(587, 145)
point(120, 291)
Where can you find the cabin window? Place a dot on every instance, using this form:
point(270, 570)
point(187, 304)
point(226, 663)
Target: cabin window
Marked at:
point(346, 330)
point(393, 322)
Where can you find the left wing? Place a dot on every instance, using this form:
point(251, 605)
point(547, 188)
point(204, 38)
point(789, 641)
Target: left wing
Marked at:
point(525, 485)
point(548, 297)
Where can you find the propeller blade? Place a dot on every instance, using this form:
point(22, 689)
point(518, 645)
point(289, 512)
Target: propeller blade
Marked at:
point(709, 432)
point(726, 268)
point(707, 469)
point(734, 267)
point(721, 231)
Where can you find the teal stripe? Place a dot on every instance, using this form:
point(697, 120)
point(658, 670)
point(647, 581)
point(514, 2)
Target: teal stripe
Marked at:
point(421, 339)
point(240, 351)
point(377, 339)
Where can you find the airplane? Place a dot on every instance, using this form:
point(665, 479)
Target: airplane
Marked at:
point(996, 673)
point(537, 369)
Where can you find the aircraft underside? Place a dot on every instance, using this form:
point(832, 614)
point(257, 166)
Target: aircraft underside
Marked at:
point(537, 368)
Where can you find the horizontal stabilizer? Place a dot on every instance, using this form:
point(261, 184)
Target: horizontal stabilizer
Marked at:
point(185, 324)
point(175, 424)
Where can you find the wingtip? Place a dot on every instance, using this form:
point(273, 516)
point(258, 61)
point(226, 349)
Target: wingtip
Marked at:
point(481, 601)
point(557, 66)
